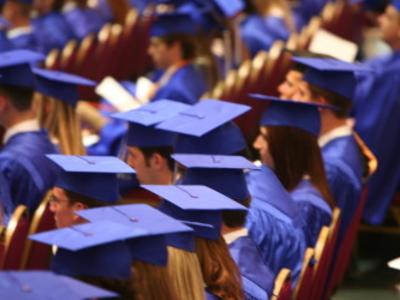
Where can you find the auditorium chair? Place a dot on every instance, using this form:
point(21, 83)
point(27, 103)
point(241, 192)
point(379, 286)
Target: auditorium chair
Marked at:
point(304, 286)
point(283, 286)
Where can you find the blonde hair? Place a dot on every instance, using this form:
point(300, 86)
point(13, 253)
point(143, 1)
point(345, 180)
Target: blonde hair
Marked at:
point(185, 273)
point(151, 282)
point(220, 272)
point(62, 123)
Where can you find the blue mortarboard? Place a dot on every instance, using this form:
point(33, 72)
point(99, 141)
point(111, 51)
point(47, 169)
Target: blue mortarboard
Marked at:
point(195, 203)
point(15, 67)
point(173, 23)
point(224, 8)
point(298, 114)
point(60, 85)
point(396, 3)
point(142, 215)
point(38, 285)
point(333, 75)
point(210, 120)
point(203, 16)
point(221, 173)
point(91, 176)
point(141, 131)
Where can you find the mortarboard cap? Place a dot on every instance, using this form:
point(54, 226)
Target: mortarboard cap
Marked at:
point(297, 114)
point(38, 285)
point(330, 74)
point(222, 173)
point(173, 23)
point(195, 203)
point(210, 120)
point(60, 85)
point(396, 4)
point(224, 8)
point(15, 67)
point(92, 176)
point(145, 216)
point(141, 131)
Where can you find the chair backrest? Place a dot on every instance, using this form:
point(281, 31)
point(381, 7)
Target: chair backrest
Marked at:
point(52, 61)
point(303, 288)
point(68, 56)
point(369, 157)
point(283, 287)
point(15, 237)
point(36, 255)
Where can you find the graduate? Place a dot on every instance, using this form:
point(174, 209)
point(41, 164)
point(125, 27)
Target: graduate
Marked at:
point(224, 174)
point(172, 51)
point(270, 21)
point(51, 29)
point(6, 205)
point(377, 111)
point(288, 143)
point(202, 208)
point(20, 34)
point(203, 127)
point(333, 82)
point(28, 173)
point(81, 19)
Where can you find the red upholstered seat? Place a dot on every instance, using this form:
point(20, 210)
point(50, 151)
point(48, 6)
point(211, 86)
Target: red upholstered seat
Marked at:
point(305, 283)
point(283, 286)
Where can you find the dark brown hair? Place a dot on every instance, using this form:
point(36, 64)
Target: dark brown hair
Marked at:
point(296, 153)
point(220, 272)
point(233, 219)
point(20, 97)
point(165, 152)
point(343, 104)
point(90, 202)
point(187, 43)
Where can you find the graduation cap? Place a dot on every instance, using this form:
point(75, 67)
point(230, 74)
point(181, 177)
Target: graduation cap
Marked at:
point(145, 216)
point(225, 8)
point(204, 16)
point(38, 285)
point(197, 204)
point(15, 67)
point(203, 126)
point(142, 121)
point(222, 173)
point(60, 85)
point(91, 176)
point(396, 4)
point(330, 74)
point(298, 114)
point(173, 23)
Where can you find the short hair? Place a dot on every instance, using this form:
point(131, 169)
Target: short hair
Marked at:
point(21, 98)
point(342, 103)
point(74, 197)
point(234, 219)
point(164, 151)
point(187, 43)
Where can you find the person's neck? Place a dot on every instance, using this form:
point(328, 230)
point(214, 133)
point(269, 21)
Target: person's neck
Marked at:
point(164, 178)
point(17, 118)
point(225, 229)
point(20, 23)
point(330, 122)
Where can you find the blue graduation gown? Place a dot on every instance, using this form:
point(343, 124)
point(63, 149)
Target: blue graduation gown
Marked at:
point(259, 33)
point(111, 260)
point(186, 85)
point(377, 113)
point(83, 21)
point(5, 44)
point(343, 168)
point(314, 209)
point(25, 41)
point(29, 174)
point(52, 31)
point(305, 10)
point(6, 205)
point(275, 223)
point(257, 279)
point(210, 296)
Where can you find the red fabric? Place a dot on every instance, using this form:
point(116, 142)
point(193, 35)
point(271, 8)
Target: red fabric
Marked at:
point(304, 289)
point(286, 291)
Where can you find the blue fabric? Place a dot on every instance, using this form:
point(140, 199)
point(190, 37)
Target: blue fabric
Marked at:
point(52, 31)
point(83, 21)
point(259, 33)
point(305, 10)
point(6, 205)
point(210, 296)
point(111, 260)
point(111, 137)
point(314, 209)
point(25, 41)
point(275, 227)
point(29, 174)
point(257, 279)
point(5, 44)
point(187, 85)
point(343, 168)
point(377, 111)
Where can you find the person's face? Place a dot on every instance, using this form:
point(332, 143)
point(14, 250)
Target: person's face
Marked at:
point(389, 25)
point(64, 211)
point(143, 167)
point(303, 92)
point(160, 53)
point(261, 145)
point(289, 87)
point(10, 10)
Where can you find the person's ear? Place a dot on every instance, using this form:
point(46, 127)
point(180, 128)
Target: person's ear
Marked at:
point(3, 103)
point(157, 161)
point(77, 206)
